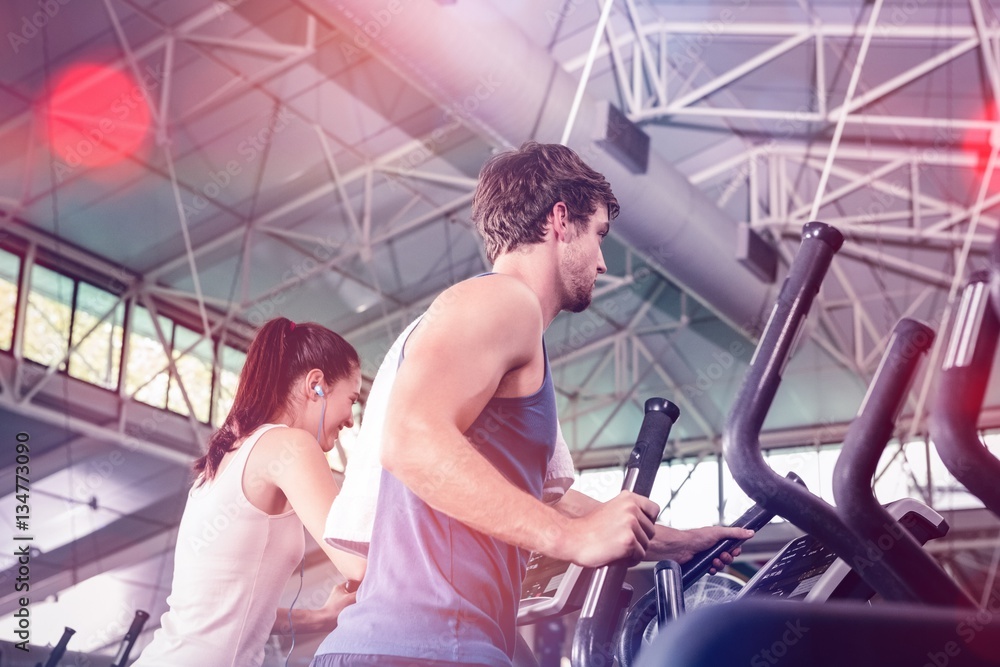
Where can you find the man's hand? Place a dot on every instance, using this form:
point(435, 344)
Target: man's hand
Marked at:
point(682, 545)
point(618, 529)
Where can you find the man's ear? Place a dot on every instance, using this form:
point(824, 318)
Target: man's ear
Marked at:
point(558, 220)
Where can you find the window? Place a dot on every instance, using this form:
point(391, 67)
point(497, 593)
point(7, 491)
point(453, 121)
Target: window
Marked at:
point(97, 336)
point(80, 328)
point(193, 361)
point(909, 469)
point(692, 489)
point(147, 372)
point(48, 317)
point(231, 363)
point(10, 266)
point(148, 376)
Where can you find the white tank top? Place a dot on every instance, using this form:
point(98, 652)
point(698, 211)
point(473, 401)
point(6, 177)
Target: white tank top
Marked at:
point(231, 564)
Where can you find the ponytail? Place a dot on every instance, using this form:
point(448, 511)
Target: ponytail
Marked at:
point(280, 353)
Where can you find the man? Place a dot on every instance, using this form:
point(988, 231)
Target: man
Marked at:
point(351, 519)
point(470, 426)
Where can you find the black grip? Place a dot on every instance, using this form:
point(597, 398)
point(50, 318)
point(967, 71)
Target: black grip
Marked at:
point(128, 641)
point(756, 394)
point(60, 648)
point(741, 438)
point(647, 454)
point(754, 518)
point(595, 629)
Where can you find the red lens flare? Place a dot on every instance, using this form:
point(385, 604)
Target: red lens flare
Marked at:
point(98, 116)
point(980, 142)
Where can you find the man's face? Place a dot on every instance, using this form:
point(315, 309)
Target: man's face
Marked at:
point(583, 261)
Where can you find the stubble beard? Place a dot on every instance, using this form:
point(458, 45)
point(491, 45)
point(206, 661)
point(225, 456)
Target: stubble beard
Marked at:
point(578, 291)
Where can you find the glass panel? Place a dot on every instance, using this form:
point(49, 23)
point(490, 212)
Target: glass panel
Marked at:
point(736, 501)
point(146, 375)
point(898, 470)
point(815, 467)
point(907, 473)
point(47, 320)
point(193, 360)
point(230, 364)
point(10, 265)
point(696, 502)
point(97, 335)
point(806, 464)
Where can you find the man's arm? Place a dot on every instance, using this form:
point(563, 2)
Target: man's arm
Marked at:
point(471, 338)
point(667, 543)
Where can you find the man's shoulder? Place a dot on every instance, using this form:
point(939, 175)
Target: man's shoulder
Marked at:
point(493, 312)
point(493, 292)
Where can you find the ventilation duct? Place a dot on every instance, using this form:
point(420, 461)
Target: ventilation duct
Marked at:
point(472, 60)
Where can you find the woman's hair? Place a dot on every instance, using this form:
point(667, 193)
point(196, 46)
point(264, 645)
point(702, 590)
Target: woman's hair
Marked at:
point(280, 353)
point(518, 188)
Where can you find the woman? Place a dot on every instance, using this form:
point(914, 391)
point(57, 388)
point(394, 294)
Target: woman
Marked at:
point(264, 477)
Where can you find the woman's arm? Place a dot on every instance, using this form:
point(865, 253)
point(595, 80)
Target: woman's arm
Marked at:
point(299, 468)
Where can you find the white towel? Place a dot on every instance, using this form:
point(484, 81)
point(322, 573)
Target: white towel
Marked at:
point(352, 516)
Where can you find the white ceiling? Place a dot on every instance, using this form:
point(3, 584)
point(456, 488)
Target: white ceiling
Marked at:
point(316, 159)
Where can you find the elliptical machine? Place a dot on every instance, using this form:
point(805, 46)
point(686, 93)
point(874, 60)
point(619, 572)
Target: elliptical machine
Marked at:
point(888, 558)
point(928, 619)
point(807, 568)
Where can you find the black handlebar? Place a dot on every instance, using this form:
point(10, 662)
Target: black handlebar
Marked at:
point(754, 518)
point(741, 437)
point(128, 641)
point(964, 378)
point(59, 649)
point(592, 642)
point(741, 440)
point(647, 454)
point(883, 539)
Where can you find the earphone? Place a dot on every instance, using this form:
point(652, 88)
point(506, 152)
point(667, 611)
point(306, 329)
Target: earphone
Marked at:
point(302, 566)
point(322, 411)
point(291, 626)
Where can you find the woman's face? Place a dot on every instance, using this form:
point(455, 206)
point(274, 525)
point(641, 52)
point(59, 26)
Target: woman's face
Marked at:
point(340, 398)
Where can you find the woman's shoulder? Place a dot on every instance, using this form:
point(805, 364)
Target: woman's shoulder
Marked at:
point(286, 439)
point(282, 455)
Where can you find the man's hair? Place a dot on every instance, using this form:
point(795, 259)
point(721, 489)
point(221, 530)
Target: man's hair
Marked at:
point(518, 188)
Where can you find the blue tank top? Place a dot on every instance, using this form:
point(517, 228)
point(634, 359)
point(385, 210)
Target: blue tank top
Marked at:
point(436, 589)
